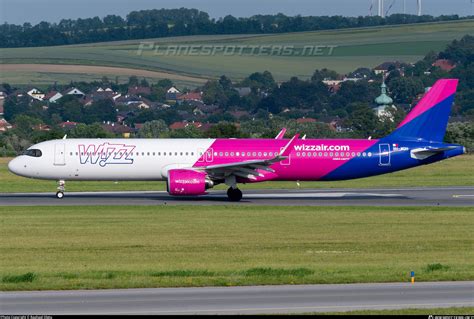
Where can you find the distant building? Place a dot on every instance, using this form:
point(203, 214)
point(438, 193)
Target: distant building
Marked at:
point(385, 67)
point(139, 90)
point(172, 93)
point(444, 64)
point(68, 125)
point(384, 102)
point(4, 125)
point(73, 91)
point(52, 96)
point(36, 94)
point(243, 91)
point(303, 120)
point(116, 128)
point(42, 127)
point(184, 124)
point(190, 96)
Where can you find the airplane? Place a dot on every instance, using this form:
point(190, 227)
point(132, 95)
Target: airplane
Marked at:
point(192, 166)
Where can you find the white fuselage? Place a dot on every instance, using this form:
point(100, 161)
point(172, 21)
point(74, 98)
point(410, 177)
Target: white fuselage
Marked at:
point(110, 159)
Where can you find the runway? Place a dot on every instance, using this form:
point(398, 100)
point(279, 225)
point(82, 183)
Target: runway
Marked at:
point(429, 196)
point(242, 300)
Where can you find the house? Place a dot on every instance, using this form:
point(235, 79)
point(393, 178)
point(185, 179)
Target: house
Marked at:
point(333, 88)
point(1, 108)
point(329, 82)
point(444, 65)
point(36, 94)
point(134, 101)
point(172, 93)
point(243, 91)
point(103, 94)
point(4, 125)
point(303, 120)
point(68, 125)
point(52, 96)
point(139, 90)
point(184, 124)
point(3, 95)
point(386, 66)
point(42, 127)
point(190, 98)
point(116, 128)
point(73, 91)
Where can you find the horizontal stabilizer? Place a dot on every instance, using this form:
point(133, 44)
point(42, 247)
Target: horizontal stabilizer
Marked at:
point(424, 153)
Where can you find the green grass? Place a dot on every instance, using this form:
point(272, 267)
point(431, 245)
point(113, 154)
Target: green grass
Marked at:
point(416, 311)
point(457, 171)
point(170, 246)
point(363, 47)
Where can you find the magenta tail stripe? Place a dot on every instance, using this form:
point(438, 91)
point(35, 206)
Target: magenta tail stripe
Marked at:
point(438, 93)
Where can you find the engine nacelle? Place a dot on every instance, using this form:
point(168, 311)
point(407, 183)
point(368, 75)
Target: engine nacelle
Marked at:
point(188, 182)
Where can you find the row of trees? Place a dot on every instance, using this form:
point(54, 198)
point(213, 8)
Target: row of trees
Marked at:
point(176, 22)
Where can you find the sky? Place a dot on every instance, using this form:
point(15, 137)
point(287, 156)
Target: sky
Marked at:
point(34, 11)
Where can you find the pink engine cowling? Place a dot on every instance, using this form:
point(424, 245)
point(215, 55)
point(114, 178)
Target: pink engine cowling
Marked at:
point(187, 182)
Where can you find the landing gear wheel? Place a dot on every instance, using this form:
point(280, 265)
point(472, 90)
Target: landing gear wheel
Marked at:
point(61, 188)
point(234, 194)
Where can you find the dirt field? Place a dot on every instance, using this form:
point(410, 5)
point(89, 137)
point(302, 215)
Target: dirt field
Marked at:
point(88, 69)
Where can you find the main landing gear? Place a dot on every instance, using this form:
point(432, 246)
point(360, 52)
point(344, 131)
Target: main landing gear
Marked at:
point(234, 194)
point(61, 189)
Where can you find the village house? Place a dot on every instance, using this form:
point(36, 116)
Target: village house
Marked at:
point(4, 125)
point(52, 96)
point(444, 65)
point(73, 91)
point(36, 94)
point(172, 93)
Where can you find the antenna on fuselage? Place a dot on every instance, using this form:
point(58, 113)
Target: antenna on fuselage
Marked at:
point(64, 137)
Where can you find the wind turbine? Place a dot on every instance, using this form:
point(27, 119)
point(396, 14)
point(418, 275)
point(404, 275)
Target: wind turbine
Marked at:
point(418, 2)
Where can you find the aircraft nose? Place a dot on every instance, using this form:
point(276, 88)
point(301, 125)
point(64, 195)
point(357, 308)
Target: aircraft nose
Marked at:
point(16, 166)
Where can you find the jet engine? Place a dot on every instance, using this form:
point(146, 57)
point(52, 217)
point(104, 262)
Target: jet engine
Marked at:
point(182, 182)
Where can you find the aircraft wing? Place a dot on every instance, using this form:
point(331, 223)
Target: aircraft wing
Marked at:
point(248, 169)
point(423, 153)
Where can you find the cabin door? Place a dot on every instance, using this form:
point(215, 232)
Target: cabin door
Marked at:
point(384, 154)
point(60, 154)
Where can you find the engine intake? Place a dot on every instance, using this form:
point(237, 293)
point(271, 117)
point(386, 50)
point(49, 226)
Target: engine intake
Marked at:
point(182, 182)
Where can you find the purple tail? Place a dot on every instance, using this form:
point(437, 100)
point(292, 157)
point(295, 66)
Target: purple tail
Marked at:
point(429, 118)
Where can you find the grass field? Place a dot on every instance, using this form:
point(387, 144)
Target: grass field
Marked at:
point(436, 311)
point(364, 47)
point(457, 171)
point(122, 247)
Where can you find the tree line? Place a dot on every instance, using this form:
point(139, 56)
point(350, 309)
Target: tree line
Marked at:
point(178, 22)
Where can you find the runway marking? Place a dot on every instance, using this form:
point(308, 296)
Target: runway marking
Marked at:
point(238, 310)
point(319, 195)
point(460, 196)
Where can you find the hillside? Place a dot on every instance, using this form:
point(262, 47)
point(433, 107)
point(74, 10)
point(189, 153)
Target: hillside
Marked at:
point(351, 48)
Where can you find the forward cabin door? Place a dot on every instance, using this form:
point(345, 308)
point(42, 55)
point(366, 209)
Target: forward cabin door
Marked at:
point(384, 154)
point(60, 154)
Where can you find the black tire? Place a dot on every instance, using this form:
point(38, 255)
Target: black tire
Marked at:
point(234, 194)
point(59, 195)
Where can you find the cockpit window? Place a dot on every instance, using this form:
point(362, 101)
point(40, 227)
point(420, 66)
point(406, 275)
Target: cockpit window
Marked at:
point(33, 153)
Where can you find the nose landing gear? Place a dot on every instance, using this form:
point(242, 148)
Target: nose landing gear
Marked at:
point(61, 189)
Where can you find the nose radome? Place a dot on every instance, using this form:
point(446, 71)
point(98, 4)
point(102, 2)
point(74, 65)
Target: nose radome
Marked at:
point(15, 166)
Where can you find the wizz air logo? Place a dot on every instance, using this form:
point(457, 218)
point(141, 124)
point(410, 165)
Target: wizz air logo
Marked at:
point(106, 153)
point(322, 147)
